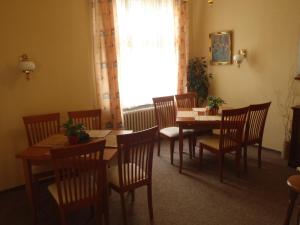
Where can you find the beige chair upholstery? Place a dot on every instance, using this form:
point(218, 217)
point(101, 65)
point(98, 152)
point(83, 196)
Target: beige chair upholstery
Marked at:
point(113, 174)
point(165, 115)
point(230, 138)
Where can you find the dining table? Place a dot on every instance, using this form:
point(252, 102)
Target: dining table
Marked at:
point(194, 118)
point(39, 155)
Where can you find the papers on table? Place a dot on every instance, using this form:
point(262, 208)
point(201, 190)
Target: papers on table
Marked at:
point(54, 140)
point(186, 114)
point(111, 141)
point(199, 110)
point(98, 133)
point(208, 118)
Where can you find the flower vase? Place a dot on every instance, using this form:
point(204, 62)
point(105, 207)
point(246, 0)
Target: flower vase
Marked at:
point(73, 140)
point(213, 111)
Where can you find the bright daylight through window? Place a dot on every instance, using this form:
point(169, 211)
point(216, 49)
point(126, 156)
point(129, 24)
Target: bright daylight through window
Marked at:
point(147, 56)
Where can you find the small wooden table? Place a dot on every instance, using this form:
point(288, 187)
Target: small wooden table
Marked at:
point(39, 154)
point(189, 119)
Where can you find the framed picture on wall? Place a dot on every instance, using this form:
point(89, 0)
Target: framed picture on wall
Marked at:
point(220, 48)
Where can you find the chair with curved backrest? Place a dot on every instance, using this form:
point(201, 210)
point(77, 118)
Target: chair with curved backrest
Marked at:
point(255, 129)
point(91, 119)
point(80, 175)
point(186, 100)
point(39, 127)
point(230, 138)
point(135, 157)
point(165, 114)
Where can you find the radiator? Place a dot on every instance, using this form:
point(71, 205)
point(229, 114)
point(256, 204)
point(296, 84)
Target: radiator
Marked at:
point(139, 119)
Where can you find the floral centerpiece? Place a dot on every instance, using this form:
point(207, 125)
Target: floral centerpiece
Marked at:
point(75, 132)
point(213, 104)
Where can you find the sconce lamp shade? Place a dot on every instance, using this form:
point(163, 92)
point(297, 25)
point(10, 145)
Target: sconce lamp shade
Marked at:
point(237, 59)
point(26, 65)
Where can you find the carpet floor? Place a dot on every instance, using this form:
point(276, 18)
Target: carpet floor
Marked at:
point(195, 197)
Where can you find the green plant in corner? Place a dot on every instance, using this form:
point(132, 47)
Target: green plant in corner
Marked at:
point(198, 78)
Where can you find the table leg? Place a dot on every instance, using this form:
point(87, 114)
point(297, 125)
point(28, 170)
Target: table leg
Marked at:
point(180, 148)
point(29, 190)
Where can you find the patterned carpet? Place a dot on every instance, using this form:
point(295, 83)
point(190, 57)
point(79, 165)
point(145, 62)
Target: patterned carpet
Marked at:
point(192, 198)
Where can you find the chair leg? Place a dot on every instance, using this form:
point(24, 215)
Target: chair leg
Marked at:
point(132, 196)
point(149, 196)
point(200, 155)
point(191, 147)
point(259, 155)
point(221, 162)
point(292, 198)
point(245, 159)
point(158, 146)
point(62, 215)
point(123, 208)
point(238, 162)
point(172, 143)
point(99, 216)
point(194, 145)
point(105, 210)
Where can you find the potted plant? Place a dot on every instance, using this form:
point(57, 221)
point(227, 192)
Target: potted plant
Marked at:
point(213, 104)
point(198, 78)
point(75, 132)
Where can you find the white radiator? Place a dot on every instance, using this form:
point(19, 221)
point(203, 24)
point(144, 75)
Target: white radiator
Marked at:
point(139, 119)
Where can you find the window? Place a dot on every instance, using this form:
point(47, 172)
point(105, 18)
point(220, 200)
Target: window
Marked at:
point(147, 59)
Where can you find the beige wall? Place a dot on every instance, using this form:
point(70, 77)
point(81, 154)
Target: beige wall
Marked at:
point(57, 35)
point(270, 31)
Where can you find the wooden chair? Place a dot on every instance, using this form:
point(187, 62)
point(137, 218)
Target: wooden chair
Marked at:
point(80, 175)
point(293, 183)
point(165, 114)
point(189, 100)
point(40, 127)
point(254, 131)
point(230, 138)
point(135, 157)
point(91, 119)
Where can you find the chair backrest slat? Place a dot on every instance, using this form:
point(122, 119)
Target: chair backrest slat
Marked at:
point(256, 120)
point(232, 127)
point(91, 119)
point(80, 174)
point(135, 156)
point(165, 111)
point(39, 127)
point(187, 100)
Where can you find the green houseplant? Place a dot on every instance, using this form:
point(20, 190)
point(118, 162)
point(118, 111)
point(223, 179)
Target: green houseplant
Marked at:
point(198, 78)
point(213, 104)
point(75, 132)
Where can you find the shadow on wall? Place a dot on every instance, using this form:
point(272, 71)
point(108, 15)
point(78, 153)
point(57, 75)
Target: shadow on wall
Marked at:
point(10, 74)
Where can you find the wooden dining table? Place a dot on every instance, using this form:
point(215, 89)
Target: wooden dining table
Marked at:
point(39, 155)
point(196, 118)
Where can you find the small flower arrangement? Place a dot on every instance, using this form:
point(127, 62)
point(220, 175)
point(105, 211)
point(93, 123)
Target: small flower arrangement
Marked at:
point(213, 104)
point(75, 132)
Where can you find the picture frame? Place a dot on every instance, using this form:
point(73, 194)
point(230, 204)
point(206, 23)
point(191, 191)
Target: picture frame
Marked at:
point(220, 48)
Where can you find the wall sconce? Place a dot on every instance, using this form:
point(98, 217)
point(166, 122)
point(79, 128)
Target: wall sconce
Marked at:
point(210, 2)
point(238, 58)
point(26, 65)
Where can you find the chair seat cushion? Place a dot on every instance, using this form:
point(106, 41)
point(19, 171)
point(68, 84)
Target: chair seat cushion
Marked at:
point(113, 174)
point(53, 190)
point(211, 141)
point(174, 131)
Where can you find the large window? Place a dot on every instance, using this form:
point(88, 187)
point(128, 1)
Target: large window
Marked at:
point(147, 60)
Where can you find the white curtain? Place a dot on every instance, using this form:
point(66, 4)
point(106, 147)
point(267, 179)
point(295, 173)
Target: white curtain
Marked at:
point(147, 56)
